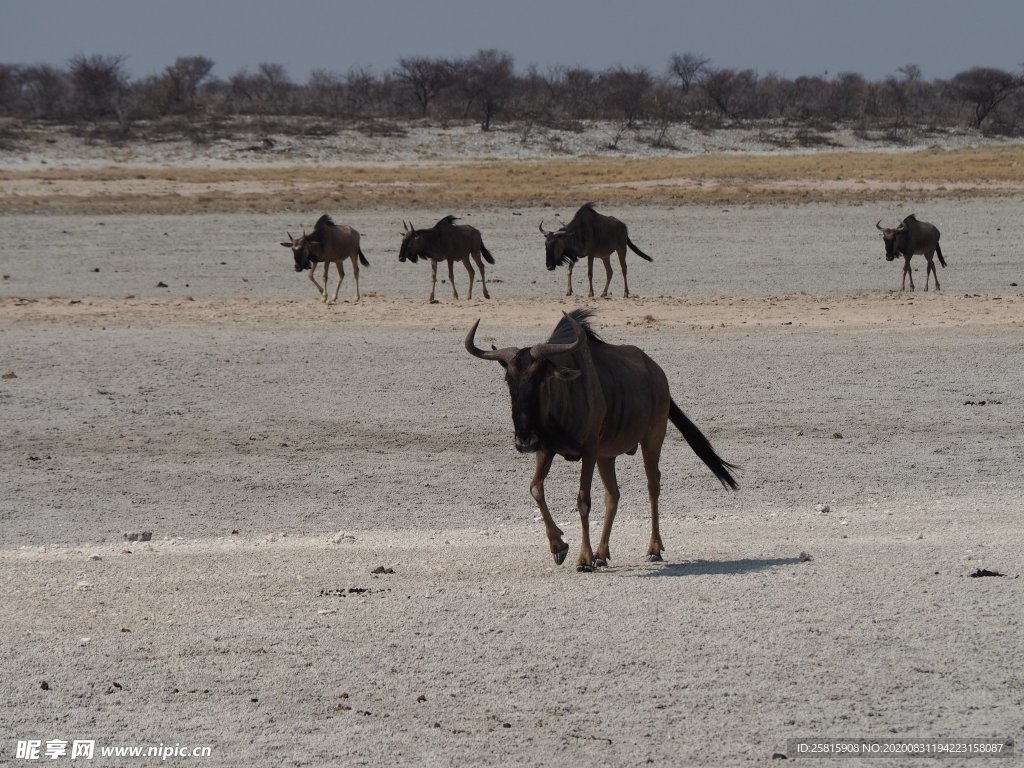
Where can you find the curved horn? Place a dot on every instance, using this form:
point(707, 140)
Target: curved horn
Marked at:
point(879, 225)
point(544, 231)
point(541, 351)
point(501, 355)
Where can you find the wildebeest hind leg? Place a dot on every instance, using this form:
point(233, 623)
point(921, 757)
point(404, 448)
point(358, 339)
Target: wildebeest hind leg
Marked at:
point(472, 275)
point(341, 278)
point(355, 275)
point(651, 450)
point(451, 278)
point(622, 265)
point(607, 260)
point(586, 558)
point(483, 278)
point(606, 468)
point(559, 548)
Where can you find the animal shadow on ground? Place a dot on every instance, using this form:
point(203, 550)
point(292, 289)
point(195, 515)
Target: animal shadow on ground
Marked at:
point(718, 567)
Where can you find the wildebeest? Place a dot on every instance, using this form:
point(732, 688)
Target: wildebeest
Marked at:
point(910, 237)
point(331, 244)
point(584, 399)
point(591, 235)
point(446, 241)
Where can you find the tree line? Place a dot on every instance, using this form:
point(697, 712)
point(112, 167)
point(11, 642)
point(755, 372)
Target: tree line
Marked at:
point(486, 87)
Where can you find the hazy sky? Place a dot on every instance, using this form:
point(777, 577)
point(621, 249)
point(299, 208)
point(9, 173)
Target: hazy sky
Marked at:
point(788, 37)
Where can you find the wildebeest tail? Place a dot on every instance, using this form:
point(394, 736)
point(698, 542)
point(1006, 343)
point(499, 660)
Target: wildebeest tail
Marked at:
point(636, 250)
point(702, 447)
point(490, 259)
point(938, 252)
point(362, 258)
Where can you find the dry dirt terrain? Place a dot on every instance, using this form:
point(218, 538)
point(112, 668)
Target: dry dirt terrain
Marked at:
point(169, 372)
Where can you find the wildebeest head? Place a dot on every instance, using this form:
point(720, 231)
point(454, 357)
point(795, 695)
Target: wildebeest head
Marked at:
point(413, 243)
point(894, 238)
point(559, 248)
point(528, 372)
point(305, 249)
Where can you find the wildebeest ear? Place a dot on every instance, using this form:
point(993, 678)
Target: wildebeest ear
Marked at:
point(287, 245)
point(567, 374)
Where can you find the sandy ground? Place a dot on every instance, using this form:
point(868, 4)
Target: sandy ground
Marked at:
point(281, 450)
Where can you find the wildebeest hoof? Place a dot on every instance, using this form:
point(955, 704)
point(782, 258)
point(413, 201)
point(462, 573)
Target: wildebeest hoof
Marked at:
point(584, 568)
point(434, 301)
point(653, 558)
point(600, 562)
point(560, 556)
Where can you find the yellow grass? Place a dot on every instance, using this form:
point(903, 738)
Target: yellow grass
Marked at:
point(701, 179)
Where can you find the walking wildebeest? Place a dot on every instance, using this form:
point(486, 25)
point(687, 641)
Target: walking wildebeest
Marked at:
point(449, 242)
point(330, 244)
point(911, 237)
point(592, 235)
point(580, 397)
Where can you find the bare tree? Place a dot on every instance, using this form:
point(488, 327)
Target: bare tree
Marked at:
point(487, 81)
point(425, 77)
point(726, 89)
point(98, 85)
point(326, 93)
point(625, 92)
point(984, 89)
point(182, 82)
point(687, 69)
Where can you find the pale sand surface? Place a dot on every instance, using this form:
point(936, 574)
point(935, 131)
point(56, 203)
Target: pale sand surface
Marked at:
point(248, 427)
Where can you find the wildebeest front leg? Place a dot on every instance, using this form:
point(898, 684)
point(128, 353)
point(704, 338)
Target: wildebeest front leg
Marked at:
point(451, 278)
point(559, 548)
point(568, 279)
point(590, 276)
point(606, 468)
point(907, 273)
point(327, 269)
point(433, 280)
point(586, 558)
point(312, 277)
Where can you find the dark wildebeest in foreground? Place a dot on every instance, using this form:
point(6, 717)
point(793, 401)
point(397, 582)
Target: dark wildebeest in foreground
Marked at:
point(446, 241)
point(330, 244)
point(580, 397)
point(592, 235)
point(911, 237)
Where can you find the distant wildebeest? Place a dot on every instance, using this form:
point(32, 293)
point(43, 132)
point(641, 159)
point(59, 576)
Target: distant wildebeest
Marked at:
point(330, 244)
point(446, 241)
point(911, 237)
point(584, 399)
point(591, 235)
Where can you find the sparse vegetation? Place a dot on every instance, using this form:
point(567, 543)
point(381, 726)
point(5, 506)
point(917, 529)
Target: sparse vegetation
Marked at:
point(486, 88)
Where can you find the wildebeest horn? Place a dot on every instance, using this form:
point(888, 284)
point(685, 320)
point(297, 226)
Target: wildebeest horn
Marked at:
point(290, 236)
point(879, 225)
point(542, 230)
point(501, 355)
point(541, 351)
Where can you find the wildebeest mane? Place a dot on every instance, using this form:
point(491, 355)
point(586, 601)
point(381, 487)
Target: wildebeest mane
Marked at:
point(320, 227)
point(447, 221)
point(564, 332)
